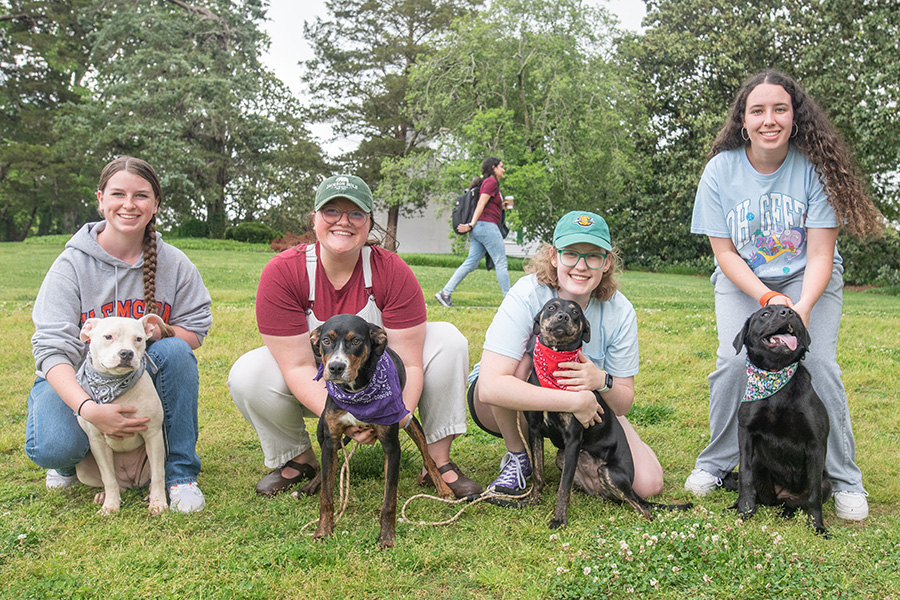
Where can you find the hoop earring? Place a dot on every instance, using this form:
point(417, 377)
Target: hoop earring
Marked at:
point(745, 135)
point(794, 131)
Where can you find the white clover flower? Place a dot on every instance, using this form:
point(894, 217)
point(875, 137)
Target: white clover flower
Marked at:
point(565, 545)
point(22, 537)
point(653, 583)
point(623, 545)
point(560, 570)
point(553, 537)
point(587, 570)
point(707, 579)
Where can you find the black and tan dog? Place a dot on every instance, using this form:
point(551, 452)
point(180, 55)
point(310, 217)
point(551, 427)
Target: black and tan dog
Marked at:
point(562, 327)
point(782, 422)
point(351, 352)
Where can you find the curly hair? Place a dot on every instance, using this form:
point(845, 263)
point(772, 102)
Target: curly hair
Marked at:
point(542, 266)
point(822, 144)
point(142, 169)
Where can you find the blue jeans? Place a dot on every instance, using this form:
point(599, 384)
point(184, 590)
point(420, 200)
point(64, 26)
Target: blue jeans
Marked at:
point(728, 382)
point(484, 239)
point(54, 440)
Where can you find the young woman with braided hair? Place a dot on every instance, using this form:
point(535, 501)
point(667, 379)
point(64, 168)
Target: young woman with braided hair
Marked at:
point(778, 185)
point(119, 267)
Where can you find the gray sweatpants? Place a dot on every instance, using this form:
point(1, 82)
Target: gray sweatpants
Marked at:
point(261, 394)
point(728, 382)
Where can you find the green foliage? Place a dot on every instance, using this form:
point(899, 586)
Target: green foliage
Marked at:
point(872, 261)
point(544, 96)
point(258, 233)
point(192, 228)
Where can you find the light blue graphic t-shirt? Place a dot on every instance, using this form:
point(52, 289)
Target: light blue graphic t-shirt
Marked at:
point(766, 216)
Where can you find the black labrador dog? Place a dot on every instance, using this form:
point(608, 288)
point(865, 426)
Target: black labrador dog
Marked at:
point(562, 327)
point(352, 352)
point(782, 422)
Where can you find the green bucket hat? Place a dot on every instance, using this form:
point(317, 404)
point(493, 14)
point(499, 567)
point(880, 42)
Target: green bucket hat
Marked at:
point(350, 187)
point(582, 227)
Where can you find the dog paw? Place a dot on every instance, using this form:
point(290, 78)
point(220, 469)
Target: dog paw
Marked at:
point(158, 508)
point(558, 523)
point(384, 544)
point(107, 510)
point(100, 498)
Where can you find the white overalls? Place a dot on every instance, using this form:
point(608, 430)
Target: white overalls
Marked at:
point(261, 394)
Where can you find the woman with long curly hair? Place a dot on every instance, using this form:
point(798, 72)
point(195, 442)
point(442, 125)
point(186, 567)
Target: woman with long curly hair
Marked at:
point(778, 186)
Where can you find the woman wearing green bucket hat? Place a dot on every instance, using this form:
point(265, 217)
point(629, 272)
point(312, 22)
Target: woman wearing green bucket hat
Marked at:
point(581, 266)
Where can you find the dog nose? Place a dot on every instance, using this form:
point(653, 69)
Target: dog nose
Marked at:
point(126, 354)
point(562, 316)
point(785, 311)
point(336, 368)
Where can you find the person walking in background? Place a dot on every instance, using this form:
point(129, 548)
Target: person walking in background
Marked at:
point(118, 267)
point(778, 185)
point(484, 230)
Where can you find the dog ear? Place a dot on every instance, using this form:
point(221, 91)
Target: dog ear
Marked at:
point(536, 328)
point(87, 328)
point(585, 329)
point(152, 319)
point(314, 336)
point(741, 336)
point(379, 339)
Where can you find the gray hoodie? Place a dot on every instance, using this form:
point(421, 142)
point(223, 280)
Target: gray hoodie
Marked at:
point(85, 281)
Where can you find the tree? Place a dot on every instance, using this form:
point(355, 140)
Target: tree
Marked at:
point(543, 96)
point(359, 78)
point(181, 85)
point(42, 68)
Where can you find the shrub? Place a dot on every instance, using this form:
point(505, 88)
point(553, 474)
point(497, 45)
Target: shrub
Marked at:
point(192, 228)
point(872, 261)
point(252, 232)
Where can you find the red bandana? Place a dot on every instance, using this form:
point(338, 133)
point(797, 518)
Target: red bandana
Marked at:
point(546, 361)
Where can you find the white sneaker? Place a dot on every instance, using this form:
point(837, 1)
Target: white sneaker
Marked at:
point(57, 481)
point(851, 506)
point(186, 497)
point(700, 483)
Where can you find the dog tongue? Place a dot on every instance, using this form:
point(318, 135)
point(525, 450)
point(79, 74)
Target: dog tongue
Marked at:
point(788, 340)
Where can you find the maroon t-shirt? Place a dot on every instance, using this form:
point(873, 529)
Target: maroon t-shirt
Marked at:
point(283, 293)
point(494, 208)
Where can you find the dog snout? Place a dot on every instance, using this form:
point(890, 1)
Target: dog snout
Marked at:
point(563, 317)
point(126, 355)
point(336, 369)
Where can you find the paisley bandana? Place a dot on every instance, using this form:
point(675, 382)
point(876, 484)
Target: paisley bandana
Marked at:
point(546, 361)
point(761, 383)
point(103, 387)
point(380, 402)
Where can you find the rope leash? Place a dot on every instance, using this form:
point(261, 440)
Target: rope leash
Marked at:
point(343, 486)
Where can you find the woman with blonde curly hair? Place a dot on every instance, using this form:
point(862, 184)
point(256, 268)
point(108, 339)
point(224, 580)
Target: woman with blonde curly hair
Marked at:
point(580, 265)
point(778, 185)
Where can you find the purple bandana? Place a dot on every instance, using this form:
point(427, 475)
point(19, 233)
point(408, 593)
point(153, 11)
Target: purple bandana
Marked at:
point(380, 402)
point(761, 383)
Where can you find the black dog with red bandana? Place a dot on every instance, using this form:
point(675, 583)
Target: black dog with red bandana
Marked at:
point(562, 328)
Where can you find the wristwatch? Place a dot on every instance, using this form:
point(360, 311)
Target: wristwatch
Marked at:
point(608, 386)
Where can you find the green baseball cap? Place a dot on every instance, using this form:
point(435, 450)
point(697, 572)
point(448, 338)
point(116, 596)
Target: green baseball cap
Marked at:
point(581, 226)
point(350, 187)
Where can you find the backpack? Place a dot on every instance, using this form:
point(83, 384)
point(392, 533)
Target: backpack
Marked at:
point(464, 208)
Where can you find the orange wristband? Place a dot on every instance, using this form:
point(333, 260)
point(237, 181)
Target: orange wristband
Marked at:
point(768, 296)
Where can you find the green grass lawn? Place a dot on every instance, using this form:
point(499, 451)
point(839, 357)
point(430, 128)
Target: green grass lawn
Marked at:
point(242, 546)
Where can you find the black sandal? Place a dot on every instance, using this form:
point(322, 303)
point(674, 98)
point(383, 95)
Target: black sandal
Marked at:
point(275, 482)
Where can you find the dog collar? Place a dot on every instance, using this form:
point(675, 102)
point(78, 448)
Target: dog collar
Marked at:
point(380, 402)
point(761, 383)
point(103, 387)
point(546, 362)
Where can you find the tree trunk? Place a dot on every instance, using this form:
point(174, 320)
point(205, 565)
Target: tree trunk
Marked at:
point(390, 241)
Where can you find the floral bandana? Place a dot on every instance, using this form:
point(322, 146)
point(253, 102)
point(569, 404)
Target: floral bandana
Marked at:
point(380, 402)
point(761, 383)
point(103, 387)
point(546, 361)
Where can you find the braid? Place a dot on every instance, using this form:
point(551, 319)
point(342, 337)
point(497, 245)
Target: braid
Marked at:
point(149, 247)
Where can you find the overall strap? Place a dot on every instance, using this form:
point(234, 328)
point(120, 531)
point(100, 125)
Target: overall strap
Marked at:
point(312, 261)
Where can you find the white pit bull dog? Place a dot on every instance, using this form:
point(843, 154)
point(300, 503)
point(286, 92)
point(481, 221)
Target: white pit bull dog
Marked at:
point(114, 372)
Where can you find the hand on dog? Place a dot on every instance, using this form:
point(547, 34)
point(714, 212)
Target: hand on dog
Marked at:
point(580, 376)
point(361, 435)
point(113, 420)
point(589, 412)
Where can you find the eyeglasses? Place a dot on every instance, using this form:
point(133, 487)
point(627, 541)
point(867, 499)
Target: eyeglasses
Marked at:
point(332, 215)
point(593, 260)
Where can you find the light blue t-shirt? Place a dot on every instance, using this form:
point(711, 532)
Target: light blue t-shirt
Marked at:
point(766, 216)
point(614, 338)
